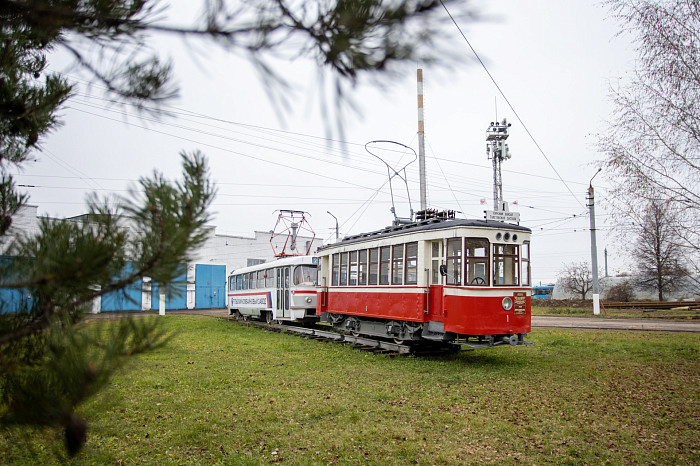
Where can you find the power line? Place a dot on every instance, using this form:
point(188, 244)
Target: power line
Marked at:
point(509, 104)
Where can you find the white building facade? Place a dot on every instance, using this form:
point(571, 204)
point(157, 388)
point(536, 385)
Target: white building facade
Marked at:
point(203, 282)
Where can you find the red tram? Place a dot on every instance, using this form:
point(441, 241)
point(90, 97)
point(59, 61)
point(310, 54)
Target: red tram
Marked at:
point(440, 279)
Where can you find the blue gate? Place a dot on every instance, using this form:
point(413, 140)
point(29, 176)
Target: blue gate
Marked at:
point(13, 299)
point(210, 286)
point(177, 296)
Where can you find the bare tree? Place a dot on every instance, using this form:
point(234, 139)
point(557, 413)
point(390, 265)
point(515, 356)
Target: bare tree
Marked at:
point(623, 292)
point(657, 251)
point(652, 143)
point(577, 278)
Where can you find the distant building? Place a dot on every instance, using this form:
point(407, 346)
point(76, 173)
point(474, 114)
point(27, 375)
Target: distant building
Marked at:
point(203, 282)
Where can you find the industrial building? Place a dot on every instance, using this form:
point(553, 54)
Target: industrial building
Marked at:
point(202, 284)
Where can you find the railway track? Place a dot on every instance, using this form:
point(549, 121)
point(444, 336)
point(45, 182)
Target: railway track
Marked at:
point(376, 346)
point(655, 305)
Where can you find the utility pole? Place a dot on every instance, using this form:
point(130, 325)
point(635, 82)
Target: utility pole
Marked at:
point(421, 144)
point(594, 249)
point(606, 262)
point(336, 225)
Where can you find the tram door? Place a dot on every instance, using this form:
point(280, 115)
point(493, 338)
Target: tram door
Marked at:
point(437, 281)
point(283, 292)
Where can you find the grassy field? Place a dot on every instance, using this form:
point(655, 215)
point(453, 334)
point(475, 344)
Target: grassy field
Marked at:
point(224, 393)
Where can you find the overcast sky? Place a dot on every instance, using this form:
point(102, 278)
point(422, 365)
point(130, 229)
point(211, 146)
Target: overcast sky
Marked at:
point(553, 60)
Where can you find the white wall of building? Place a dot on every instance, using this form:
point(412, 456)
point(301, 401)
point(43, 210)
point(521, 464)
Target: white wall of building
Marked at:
point(231, 251)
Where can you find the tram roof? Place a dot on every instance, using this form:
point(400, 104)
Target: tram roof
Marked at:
point(425, 225)
point(279, 262)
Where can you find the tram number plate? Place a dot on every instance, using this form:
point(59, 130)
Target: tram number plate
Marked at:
point(519, 303)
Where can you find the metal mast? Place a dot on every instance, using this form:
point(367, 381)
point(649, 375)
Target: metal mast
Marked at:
point(497, 150)
point(421, 143)
point(594, 249)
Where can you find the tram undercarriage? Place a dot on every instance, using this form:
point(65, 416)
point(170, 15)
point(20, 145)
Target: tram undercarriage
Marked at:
point(413, 332)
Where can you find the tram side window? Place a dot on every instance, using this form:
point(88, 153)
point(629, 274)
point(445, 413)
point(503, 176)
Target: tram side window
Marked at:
point(384, 262)
point(373, 266)
point(352, 278)
point(476, 258)
point(261, 279)
point(397, 269)
point(344, 269)
point(411, 263)
point(335, 274)
point(362, 268)
point(454, 261)
point(505, 264)
point(270, 278)
point(525, 263)
point(244, 281)
point(239, 282)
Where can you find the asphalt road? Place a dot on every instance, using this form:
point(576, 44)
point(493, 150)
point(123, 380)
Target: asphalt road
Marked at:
point(604, 323)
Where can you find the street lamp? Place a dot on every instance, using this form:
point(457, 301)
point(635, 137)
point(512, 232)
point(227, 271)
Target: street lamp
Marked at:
point(336, 225)
point(594, 248)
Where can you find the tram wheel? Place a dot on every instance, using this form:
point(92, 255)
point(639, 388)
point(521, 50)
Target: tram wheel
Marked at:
point(268, 318)
point(399, 341)
point(355, 334)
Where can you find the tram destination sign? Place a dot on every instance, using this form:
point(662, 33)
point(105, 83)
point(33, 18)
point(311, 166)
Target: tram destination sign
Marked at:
point(501, 216)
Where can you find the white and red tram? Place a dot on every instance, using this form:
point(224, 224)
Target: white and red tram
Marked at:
point(440, 279)
point(283, 290)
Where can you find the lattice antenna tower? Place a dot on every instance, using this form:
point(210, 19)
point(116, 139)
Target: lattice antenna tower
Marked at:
point(497, 151)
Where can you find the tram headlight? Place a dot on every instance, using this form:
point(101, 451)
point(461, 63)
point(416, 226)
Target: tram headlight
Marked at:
point(507, 304)
point(308, 299)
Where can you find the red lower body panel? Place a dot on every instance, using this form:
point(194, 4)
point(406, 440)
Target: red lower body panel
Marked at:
point(463, 311)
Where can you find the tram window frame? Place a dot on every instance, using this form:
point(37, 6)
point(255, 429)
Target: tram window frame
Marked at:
point(501, 260)
point(362, 267)
point(335, 269)
point(343, 269)
point(384, 264)
point(373, 266)
point(303, 271)
point(525, 276)
point(397, 261)
point(352, 268)
point(454, 262)
point(411, 263)
point(472, 261)
point(436, 248)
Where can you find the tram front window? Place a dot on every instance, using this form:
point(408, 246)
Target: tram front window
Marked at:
point(477, 261)
point(505, 264)
point(305, 275)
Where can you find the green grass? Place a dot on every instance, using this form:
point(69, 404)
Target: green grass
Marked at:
point(225, 393)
